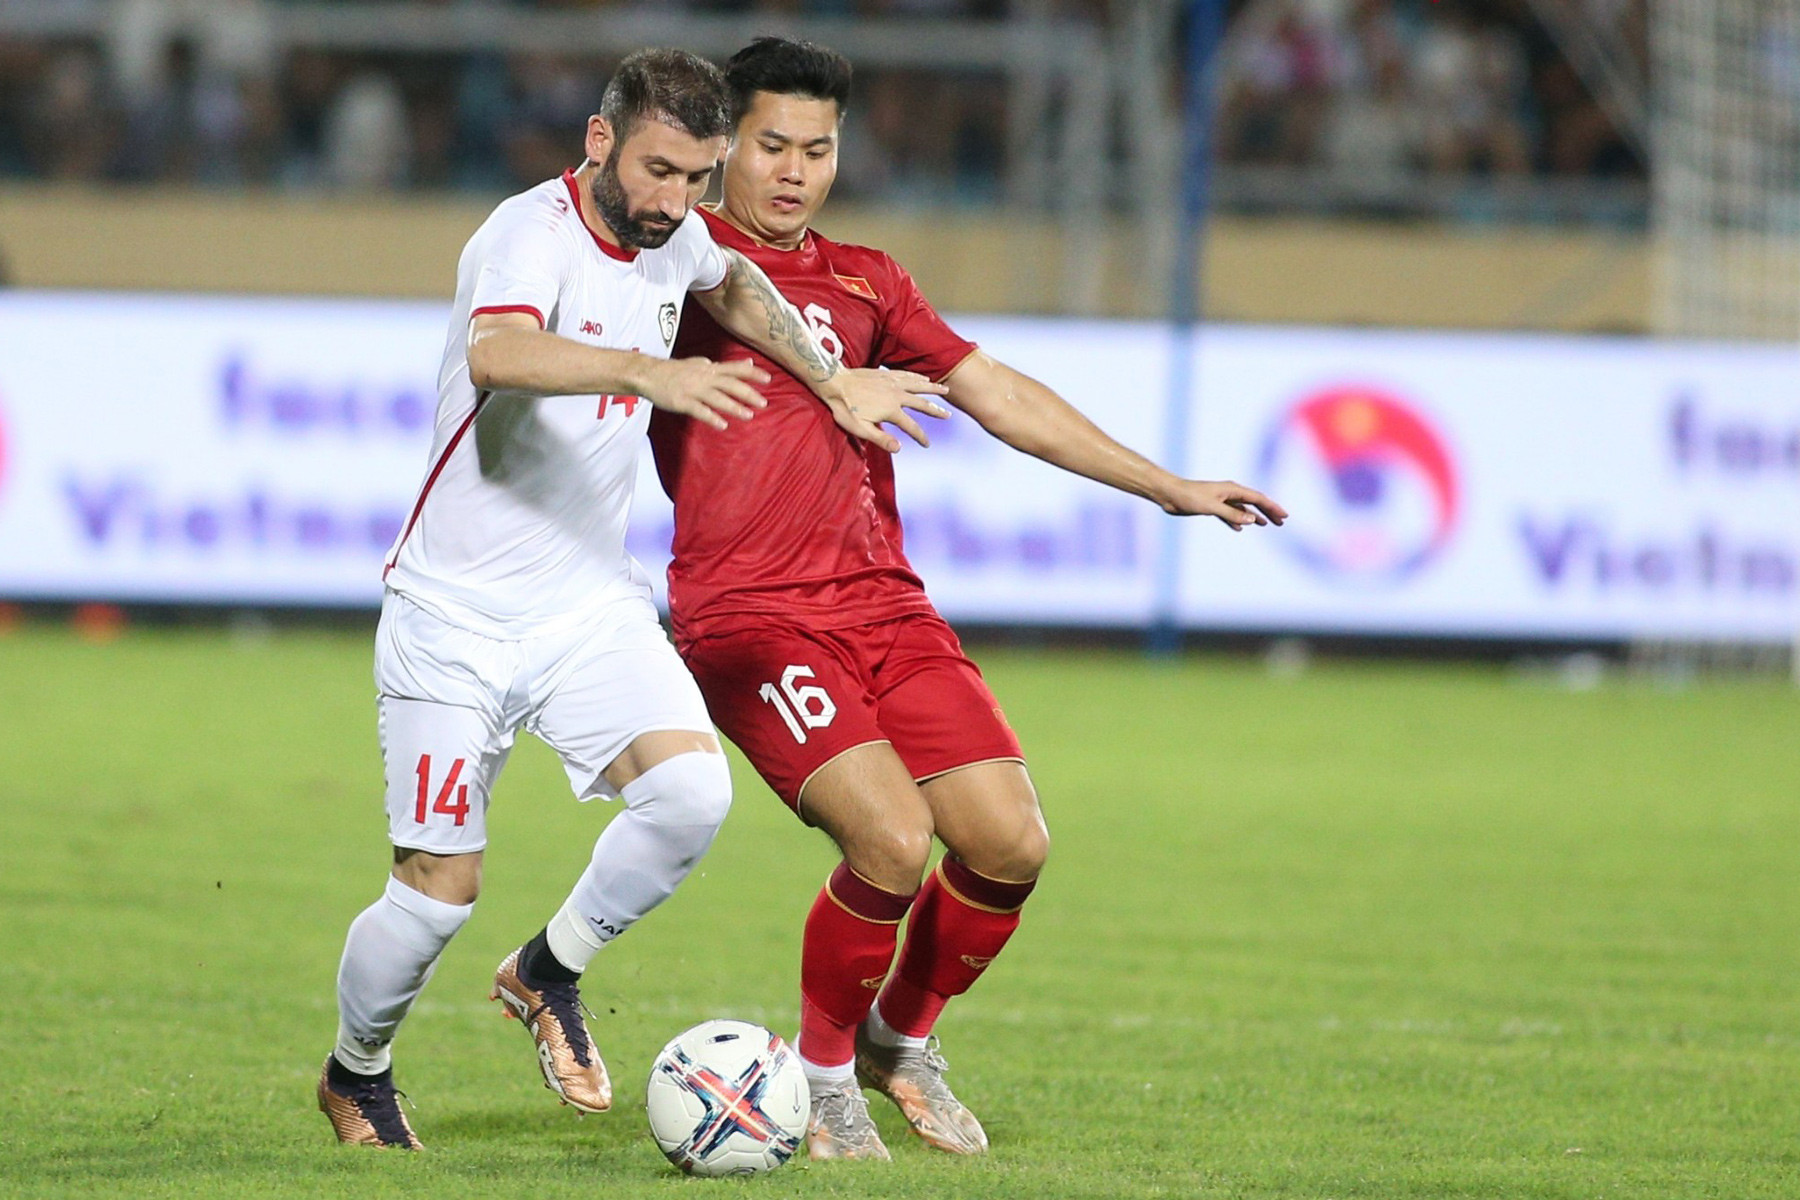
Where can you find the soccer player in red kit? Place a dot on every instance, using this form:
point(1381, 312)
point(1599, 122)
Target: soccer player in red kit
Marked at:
point(813, 640)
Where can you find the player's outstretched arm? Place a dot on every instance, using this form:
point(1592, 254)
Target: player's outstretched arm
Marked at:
point(509, 353)
point(1030, 417)
point(748, 307)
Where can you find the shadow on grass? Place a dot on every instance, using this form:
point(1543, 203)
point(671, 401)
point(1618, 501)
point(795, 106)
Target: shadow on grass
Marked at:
point(614, 1147)
point(549, 1130)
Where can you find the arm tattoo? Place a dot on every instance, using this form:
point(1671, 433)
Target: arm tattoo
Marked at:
point(786, 330)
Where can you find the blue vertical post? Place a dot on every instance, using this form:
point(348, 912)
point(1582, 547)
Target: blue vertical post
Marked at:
point(1205, 33)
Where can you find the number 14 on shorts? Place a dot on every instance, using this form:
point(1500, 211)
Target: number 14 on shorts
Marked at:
point(452, 796)
point(802, 706)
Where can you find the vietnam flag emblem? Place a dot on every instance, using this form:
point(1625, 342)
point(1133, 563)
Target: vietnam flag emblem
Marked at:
point(857, 284)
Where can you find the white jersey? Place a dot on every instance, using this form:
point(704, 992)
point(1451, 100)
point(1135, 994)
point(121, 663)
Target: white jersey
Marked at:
point(519, 527)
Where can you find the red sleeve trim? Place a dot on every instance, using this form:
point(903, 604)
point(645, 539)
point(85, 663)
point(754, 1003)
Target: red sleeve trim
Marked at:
point(488, 309)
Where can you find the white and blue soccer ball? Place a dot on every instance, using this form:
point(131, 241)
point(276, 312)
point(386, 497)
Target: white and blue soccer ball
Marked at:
point(727, 1098)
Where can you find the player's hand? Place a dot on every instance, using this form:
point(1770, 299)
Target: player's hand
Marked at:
point(1232, 503)
point(705, 390)
point(867, 398)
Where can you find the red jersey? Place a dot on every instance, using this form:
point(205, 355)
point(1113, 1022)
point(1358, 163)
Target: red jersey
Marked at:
point(787, 515)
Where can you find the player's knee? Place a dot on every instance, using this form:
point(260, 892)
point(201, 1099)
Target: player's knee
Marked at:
point(692, 789)
point(892, 858)
point(1016, 856)
point(438, 917)
point(447, 878)
point(1030, 853)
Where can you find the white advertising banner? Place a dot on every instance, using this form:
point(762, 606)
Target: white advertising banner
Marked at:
point(174, 448)
point(1486, 484)
point(251, 451)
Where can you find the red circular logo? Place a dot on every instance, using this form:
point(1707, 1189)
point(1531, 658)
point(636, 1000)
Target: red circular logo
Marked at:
point(1386, 485)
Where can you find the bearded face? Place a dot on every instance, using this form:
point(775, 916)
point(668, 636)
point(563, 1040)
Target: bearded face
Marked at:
point(640, 229)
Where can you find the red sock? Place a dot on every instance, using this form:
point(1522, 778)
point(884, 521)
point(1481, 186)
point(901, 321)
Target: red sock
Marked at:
point(845, 954)
point(959, 924)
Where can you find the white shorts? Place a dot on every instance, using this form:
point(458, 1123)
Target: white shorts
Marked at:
point(450, 702)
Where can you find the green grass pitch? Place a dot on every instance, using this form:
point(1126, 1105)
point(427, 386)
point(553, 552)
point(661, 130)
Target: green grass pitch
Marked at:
point(1379, 931)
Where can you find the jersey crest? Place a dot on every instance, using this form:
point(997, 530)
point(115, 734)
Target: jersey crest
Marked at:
point(665, 320)
point(858, 285)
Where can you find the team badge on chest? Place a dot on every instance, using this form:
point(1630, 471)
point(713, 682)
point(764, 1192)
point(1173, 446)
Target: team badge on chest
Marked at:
point(856, 284)
point(665, 319)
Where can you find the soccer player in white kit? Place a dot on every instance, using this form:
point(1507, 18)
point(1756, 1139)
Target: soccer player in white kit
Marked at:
point(511, 601)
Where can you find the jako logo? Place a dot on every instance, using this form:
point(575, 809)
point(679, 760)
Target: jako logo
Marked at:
point(1375, 480)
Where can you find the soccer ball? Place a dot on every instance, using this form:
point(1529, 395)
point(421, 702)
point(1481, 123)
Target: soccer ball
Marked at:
point(727, 1098)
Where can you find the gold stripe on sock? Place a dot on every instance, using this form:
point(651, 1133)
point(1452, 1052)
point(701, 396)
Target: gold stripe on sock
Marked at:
point(944, 882)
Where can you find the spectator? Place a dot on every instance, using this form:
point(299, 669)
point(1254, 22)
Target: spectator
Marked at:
point(21, 64)
point(1280, 82)
point(1471, 89)
point(550, 95)
point(1376, 133)
point(367, 143)
point(1375, 129)
point(67, 131)
point(1580, 138)
point(308, 83)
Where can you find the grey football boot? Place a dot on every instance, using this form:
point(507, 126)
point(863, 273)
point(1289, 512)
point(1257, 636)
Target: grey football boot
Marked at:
point(913, 1078)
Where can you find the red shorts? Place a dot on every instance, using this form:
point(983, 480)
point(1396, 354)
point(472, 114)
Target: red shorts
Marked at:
point(794, 698)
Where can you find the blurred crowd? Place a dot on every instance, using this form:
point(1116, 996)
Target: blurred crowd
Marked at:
point(235, 109)
point(1379, 87)
point(1383, 88)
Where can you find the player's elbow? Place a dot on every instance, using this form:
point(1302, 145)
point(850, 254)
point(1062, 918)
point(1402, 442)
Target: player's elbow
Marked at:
point(498, 356)
point(723, 303)
point(483, 369)
point(998, 398)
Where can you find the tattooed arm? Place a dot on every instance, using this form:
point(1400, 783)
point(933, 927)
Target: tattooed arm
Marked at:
point(747, 306)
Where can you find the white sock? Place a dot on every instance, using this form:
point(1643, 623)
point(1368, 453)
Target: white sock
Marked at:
point(671, 813)
point(391, 950)
point(818, 1073)
point(883, 1034)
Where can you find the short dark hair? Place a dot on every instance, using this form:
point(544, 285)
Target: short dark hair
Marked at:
point(671, 86)
point(786, 68)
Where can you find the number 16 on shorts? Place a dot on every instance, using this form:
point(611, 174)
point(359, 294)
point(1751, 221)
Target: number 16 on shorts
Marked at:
point(802, 706)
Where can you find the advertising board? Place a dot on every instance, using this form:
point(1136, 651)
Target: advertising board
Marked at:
point(265, 452)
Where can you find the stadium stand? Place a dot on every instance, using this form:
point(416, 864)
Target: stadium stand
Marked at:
point(1386, 102)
